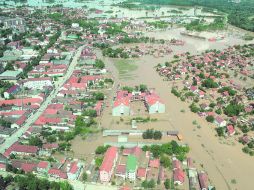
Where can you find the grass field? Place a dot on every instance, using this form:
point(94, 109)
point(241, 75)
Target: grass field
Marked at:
point(125, 68)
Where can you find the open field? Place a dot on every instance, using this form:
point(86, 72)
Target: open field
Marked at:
point(125, 68)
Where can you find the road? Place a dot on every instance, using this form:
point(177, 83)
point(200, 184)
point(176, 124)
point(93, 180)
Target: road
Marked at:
point(10, 140)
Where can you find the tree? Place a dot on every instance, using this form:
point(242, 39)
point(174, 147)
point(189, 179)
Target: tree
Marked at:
point(98, 95)
point(98, 162)
point(233, 109)
point(142, 88)
point(99, 64)
point(84, 177)
point(157, 135)
point(193, 107)
point(148, 134)
point(90, 113)
point(79, 122)
point(167, 184)
point(9, 66)
point(165, 162)
point(35, 141)
point(148, 184)
point(210, 118)
point(209, 83)
point(220, 131)
point(101, 149)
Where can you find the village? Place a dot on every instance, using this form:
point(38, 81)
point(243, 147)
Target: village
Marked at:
point(71, 110)
point(217, 87)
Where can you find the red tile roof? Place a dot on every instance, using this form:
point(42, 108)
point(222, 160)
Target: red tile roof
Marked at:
point(50, 146)
point(136, 151)
point(21, 120)
point(152, 99)
point(74, 167)
point(43, 164)
point(58, 173)
point(12, 113)
point(176, 164)
point(121, 169)
point(122, 101)
point(203, 180)
point(141, 173)
point(28, 167)
point(154, 163)
point(230, 129)
point(2, 166)
point(44, 120)
point(178, 175)
point(108, 160)
point(18, 102)
point(16, 147)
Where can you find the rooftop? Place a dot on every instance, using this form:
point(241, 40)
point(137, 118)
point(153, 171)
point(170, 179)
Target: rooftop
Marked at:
point(131, 163)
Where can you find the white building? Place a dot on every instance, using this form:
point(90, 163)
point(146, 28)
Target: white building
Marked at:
point(37, 83)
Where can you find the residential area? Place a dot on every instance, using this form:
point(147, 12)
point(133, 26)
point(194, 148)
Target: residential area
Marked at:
point(115, 95)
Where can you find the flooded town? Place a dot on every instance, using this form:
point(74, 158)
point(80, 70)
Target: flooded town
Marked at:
point(125, 95)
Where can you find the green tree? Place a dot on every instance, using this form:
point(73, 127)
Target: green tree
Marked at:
point(220, 131)
point(167, 184)
point(157, 135)
point(35, 141)
point(99, 64)
point(165, 162)
point(210, 118)
point(84, 177)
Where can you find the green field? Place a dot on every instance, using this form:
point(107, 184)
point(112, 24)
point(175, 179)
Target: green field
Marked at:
point(125, 68)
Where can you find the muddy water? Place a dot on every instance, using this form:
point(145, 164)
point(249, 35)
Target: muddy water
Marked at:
point(222, 162)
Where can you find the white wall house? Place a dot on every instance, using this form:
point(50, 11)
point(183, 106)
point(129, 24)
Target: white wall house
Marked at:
point(37, 83)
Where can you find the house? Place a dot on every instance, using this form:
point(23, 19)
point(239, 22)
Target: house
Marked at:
point(220, 122)
point(108, 164)
point(121, 171)
point(136, 151)
point(121, 107)
point(203, 180)
point(74, 170)
point(190, 163)
point(178, 176)
point(43, 167)
point(230, 130)
point(176, 164)
point(10, 75)
point(2, 167)
point(12, 91)
point(193, 179)
point(141, 173)
point(161, 176)
point(194, 89)
point(57, 173)
point(3, 162)
point(20, 122)
point(28, 167)
point(6, 131)
point(155, 163)
point(201, 94)
point(17, 148)
point(37, 83)
point(154, 104)
point(20, 102)
point(98, 107)
point(131, 168)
